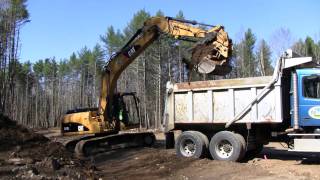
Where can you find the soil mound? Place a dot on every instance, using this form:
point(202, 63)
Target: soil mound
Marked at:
point(12, 134)
point(28, 155)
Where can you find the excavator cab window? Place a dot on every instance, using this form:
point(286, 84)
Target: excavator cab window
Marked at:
point(126, 109)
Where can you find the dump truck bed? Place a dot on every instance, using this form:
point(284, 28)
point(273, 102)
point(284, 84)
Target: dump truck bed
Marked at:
point(219, 101)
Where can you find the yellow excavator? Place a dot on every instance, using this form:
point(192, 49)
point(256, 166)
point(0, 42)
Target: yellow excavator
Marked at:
point(99, 129)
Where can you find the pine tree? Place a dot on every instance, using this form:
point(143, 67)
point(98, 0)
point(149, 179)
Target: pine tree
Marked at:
point(136, 23)
point(263, 55)
point(246, 55)
point(112, 41)
point(159, 13)
point(180, 15)
point(309, 47)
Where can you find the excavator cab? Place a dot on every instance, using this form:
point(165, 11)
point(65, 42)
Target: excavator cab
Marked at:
point(125, 109)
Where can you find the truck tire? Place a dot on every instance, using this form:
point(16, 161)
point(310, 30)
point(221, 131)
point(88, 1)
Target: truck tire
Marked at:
point(190, 144)
point(226, 146)
point(149, 140)
point(205, 140)
point(243, 144)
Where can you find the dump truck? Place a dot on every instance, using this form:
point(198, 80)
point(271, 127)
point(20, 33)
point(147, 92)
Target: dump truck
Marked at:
point(233, 118)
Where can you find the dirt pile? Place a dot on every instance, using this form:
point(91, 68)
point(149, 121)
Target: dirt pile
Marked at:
point(12, 134)
point(28, 155)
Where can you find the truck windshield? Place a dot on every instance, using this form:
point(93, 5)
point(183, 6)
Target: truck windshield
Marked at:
point(311, 86)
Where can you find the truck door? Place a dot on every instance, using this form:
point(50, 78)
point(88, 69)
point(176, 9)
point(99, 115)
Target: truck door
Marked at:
point(309, 97)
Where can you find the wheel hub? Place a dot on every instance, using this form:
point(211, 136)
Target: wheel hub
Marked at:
point(188, 148)
point(224, 149)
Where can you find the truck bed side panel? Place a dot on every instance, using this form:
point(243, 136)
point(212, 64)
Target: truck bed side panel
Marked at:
point(220, 104)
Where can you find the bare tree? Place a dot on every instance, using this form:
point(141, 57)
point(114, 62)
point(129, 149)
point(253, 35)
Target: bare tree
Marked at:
point(280, 41)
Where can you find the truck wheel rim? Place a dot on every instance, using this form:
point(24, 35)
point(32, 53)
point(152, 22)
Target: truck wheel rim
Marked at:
point(224, 149)
point(188, 148)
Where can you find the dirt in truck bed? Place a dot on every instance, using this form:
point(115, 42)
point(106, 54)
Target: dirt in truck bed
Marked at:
point(28, 155)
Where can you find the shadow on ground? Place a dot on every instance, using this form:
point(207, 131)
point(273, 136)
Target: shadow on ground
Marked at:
point(282, 154)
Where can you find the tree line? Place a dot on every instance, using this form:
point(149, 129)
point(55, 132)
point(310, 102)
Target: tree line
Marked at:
point(13, 15)
point(42, 90)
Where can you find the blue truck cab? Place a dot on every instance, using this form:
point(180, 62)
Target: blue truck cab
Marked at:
point(308, 97)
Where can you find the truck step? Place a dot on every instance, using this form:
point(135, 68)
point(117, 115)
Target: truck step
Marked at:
point(304, 134)
point(306, 145)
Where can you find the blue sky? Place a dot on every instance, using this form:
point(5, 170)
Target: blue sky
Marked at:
point(60, 27)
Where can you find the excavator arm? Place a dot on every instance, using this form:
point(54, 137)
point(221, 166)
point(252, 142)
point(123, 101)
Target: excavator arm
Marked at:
point(210, 55)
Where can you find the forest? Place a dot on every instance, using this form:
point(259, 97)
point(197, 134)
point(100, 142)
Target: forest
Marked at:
point(36, 92)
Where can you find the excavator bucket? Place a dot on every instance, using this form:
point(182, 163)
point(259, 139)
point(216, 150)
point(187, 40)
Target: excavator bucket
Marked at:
point(212, 54)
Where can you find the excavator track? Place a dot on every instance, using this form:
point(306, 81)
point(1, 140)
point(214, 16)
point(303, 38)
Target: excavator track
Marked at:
point(91, 145)
point(71, 141)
